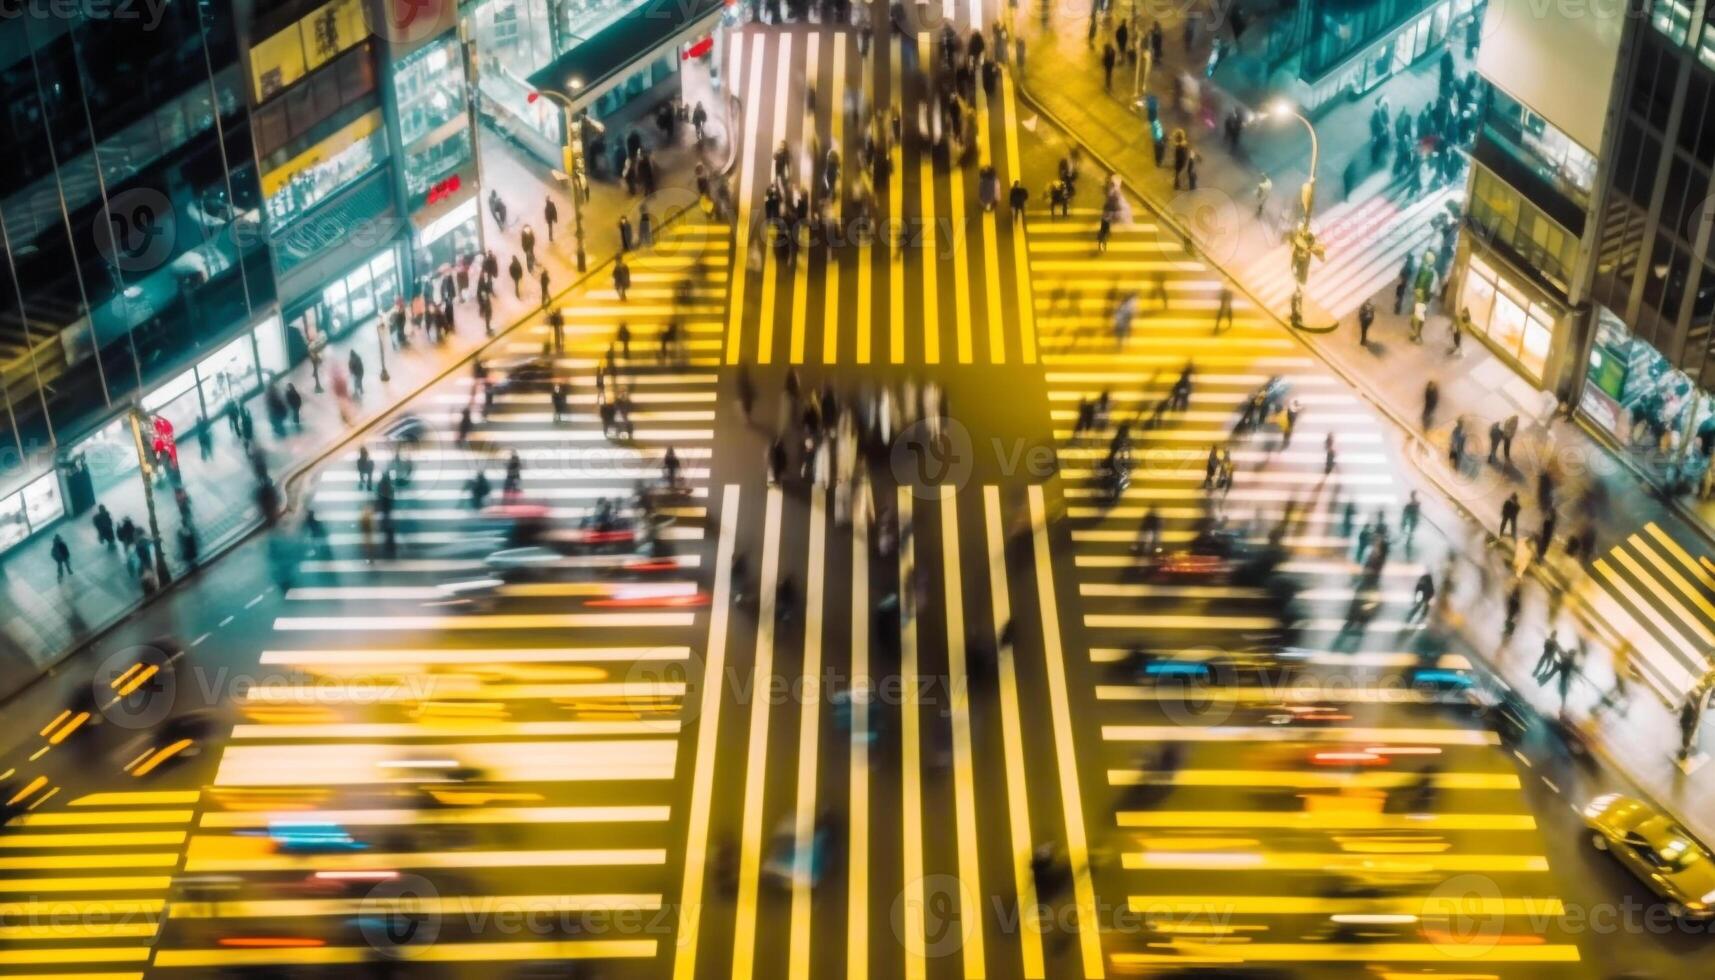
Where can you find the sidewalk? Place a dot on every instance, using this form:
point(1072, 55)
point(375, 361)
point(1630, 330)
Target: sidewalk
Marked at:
point(1220, 217)
point(44, 619)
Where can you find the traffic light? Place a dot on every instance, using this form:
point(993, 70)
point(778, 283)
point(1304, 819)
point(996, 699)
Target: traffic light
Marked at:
point(1304, 248)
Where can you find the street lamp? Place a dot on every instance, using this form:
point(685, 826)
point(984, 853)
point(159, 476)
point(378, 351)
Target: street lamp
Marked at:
point(381, 346)
point(1304, 244)
point(573, 162)
point(146, 467)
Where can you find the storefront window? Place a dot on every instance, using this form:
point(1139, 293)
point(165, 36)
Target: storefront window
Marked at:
point(229, 374)
point(426, 166)
point(430, 85)
point(177, 400)
point(42, 502)
point(300, 186)
point(1503, 313)
point(13, 525)
point(271, 347)
point(1635, 392)
point(447, 237)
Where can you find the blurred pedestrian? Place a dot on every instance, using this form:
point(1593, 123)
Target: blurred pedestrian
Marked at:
point(61, 554)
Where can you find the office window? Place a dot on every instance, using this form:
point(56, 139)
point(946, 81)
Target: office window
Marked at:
point(1672, 18)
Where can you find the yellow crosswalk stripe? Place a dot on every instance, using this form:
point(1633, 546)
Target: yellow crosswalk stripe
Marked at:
point(1454, 950)
point(1425, 906)
point(1020, 232)
point(930, 245)
point(756, 765)
point(1012, 741)
point(1326, 862)
point(460, 905)
point(741, 270)
point(964, 781)
point(911, 763)
point(1275, 779)
point(809, 730)
point(444, 952)
point(801, 264)
point(770, 267)
point(1323, 820)
point(857, 869)
point(896, 217)
point(831, 275)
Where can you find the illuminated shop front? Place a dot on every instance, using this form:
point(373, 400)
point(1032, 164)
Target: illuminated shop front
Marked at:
point(1636, 395)
point(1509, 318)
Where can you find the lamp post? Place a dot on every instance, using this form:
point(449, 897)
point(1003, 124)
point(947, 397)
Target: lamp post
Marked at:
point(146, 466)
point(381, 346)
point(1304, 244)
point(573, 163)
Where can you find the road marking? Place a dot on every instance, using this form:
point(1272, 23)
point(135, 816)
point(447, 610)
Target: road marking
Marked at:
point(911, 752)
point(377, 763)
point(809, 728)
point(1012, 741)
point(252, 603)
point(1324, 862)
point(1273, 779)
point(831, 272)
point(168, 797)
point(468, 906)
point(1277, 733)
point(857, 896)
point(702, 779)
point(1065, 750)
point(222, 624)
point(105, 838)
point(1197, 906)
point(964, 782)
point(207, 854)
point(896, 213)
point(1323, 820)
point(991, 245)
point(510, 951)
point(1020, 260)
point(801, 260)
point(1451, 952)
point(928, 243)
point(457, 816)
point(741, 267)
point(959, 242)
point(198, 641)
point(756, 769)
point(118, 883)
point(496, 621)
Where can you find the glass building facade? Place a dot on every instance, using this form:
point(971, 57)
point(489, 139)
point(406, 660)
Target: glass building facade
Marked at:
point(133, 217)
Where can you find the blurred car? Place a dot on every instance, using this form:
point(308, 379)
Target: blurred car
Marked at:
point(784, 865)
point(532, 374)
point(1257, 667)
point(178, 739)
point(1213, 553)
point(1664, 855)
point(406, 430)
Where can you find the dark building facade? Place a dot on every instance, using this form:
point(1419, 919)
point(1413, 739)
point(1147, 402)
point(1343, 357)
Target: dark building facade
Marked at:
point(1652, 292)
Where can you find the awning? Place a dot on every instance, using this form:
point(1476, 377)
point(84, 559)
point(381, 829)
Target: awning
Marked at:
point(601, 62)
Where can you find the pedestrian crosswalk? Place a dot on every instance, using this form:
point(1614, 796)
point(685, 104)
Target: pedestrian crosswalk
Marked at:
point(1650, 594)
point(471, 713)
point(1367, 242)
point(924, 274)
point(1272, 816)
point(87, 881)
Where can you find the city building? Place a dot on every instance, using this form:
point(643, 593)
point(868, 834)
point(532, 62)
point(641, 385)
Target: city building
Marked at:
point(132, 233)
point(1522, 268)
point(1648, 371)
point(199, 202)
point(1317, 51)
point(614, 59)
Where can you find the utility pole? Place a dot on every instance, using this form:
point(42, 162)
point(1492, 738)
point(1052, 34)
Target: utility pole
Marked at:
point(147, 468)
